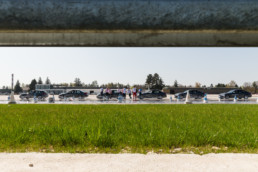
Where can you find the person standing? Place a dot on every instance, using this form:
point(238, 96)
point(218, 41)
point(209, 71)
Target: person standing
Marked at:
point(129, 93)
point(101, 91)
point(134, 93)
point(124, 93)
point(140, 92)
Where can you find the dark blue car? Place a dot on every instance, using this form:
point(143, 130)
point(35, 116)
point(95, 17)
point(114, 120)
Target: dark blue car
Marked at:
point(73, 94)
point(235, 93)
point(196, 94)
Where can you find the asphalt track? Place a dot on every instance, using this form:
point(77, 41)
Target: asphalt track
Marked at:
point(212, 99)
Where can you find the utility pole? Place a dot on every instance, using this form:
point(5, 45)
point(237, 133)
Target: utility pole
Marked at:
point(12, 82)
point(12, 99)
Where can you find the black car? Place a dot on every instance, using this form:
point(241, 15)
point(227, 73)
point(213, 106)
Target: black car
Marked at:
point(152, 94)
point(196, 94)
point(238, 93)
point(38, 94)
point(73, 94)
point(114, 94)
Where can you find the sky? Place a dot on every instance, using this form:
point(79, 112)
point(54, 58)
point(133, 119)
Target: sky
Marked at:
point(129, 65)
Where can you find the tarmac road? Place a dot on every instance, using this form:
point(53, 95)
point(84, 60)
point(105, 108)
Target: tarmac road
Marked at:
point(62, 162)
point(212, 99)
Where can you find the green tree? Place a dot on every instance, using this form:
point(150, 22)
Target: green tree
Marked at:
point(47, 81)
point(157, 82)
point(220, 85)
point(149, 80)
point(32, 85)
point(255, 87)
point(17, 87)
point(175, 83)
point(40, 81)
point(77, 82)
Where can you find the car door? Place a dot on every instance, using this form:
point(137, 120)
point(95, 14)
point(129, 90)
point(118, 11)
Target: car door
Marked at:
point(192, 93)
point(234, 93)
point(155, 94)
point(241, 94)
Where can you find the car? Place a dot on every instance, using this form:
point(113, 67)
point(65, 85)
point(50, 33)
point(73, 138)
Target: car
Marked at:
point(35, 93)
point(74, 94)
point(236, 92)
point(196, 94)
point(114, 94)
point(152, 94)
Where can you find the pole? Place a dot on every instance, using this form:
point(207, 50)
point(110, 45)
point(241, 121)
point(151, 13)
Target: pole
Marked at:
point(12, 81)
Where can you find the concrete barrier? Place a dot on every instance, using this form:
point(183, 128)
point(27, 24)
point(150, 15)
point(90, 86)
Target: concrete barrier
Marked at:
point(128, 22)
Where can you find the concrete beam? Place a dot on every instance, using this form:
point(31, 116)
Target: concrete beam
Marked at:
point(156, 38)
point(128, 22)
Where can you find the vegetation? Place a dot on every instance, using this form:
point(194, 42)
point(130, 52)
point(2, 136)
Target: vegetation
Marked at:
point(154, 81)
point(33, 84)
point(17, 87)
point(40, 81)
point(47, 81)
point(129, 128)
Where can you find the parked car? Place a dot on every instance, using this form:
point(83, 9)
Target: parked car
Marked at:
point(152, 94)
point(74, 94)
point(114, 94)
point(38, 94)
point(238, 93)
point(196, 94)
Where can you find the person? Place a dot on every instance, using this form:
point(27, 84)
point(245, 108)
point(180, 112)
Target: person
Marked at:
point(140, 92)
point(101, 91)
point(107, 92)
point(134, 93)
point(124, 93)
point(129, 93)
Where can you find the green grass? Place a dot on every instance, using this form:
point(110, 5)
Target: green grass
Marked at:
point(129, 128)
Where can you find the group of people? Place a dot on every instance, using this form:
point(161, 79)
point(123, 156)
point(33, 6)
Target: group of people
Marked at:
point(123, 92)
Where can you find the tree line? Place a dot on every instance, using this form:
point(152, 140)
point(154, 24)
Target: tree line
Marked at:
point(153, 81)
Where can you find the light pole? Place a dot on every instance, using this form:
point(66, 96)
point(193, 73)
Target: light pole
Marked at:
point(12, 99)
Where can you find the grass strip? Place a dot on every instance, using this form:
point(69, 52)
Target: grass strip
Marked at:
point(129, 128)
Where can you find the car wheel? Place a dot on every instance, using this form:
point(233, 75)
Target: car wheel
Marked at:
point(159, 97)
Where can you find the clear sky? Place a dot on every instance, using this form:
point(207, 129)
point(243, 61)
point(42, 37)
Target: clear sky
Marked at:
point(130, 65)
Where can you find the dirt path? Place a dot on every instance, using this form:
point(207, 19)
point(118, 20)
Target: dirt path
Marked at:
point(127, 162)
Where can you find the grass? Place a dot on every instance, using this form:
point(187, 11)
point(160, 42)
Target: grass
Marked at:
point(129, 128)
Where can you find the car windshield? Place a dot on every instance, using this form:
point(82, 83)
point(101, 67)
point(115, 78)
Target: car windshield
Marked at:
point(148, 91)
point(231, 91)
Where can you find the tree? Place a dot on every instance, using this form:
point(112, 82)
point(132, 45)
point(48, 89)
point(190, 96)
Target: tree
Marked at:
point(211, 85)
point(175, 83)
point(17, 87)
point(149, 80)
point(77, 82)
point(220, 85)
point(232, 84)
point(40, 81)
point(94, 84)
point(255, 85)
point(32, 85)
point(47, 81)
point(197, 85)
point(157, 82)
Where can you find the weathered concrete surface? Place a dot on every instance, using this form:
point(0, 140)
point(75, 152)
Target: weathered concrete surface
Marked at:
point(129, 14)
point(64, 162)
point(143, 22)
point(128, 38)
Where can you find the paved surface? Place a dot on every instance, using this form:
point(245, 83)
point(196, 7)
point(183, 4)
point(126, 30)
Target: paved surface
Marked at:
point(212, 99)
point(24, 162)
